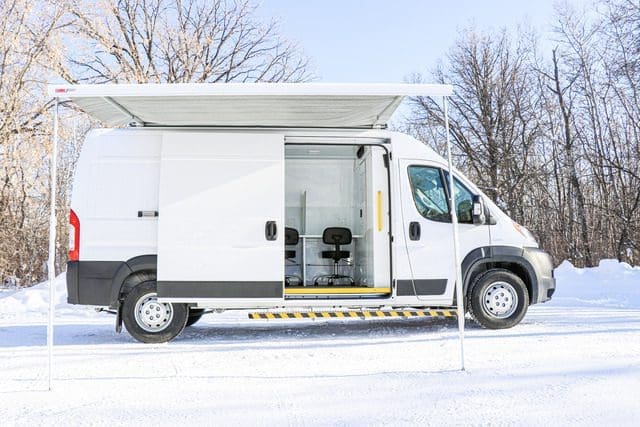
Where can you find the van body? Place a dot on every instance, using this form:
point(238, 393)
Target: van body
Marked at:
point(168, 223)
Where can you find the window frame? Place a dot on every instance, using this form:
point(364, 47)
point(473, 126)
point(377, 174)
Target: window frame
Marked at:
point(446, 184)
point(444, 179)
point(444, 187)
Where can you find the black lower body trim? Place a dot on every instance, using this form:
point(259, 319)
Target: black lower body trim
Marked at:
point(171, 289)
point(89, 282)
point(422, 287)
point(72, 283)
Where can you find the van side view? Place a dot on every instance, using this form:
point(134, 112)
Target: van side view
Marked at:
point(268, 213)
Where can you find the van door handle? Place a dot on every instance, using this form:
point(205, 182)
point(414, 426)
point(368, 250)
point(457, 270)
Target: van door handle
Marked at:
point(271, 230)
point(414, 230)
point(147, 214)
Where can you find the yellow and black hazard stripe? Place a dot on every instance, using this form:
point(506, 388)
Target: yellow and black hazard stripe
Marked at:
point(359, 314)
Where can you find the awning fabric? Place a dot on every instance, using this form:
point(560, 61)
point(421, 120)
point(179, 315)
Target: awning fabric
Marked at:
point(330, 105)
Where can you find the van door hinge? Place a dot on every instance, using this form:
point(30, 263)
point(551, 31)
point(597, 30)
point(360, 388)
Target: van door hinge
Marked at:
point(385, 158)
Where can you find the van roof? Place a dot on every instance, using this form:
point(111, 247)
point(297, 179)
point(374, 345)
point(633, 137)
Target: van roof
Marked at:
point(326, 105)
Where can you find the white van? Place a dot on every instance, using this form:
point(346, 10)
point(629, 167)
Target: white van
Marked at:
point(284, 203)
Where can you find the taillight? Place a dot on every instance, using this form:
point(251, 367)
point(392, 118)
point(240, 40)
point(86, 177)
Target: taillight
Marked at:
point(74, 236)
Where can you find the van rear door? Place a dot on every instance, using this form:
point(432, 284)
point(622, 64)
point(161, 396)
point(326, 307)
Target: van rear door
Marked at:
point(221, 216)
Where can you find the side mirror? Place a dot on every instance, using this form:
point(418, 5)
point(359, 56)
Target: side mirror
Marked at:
point(478, 210)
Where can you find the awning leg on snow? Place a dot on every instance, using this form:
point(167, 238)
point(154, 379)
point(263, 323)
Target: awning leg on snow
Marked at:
point(456, 242)
point(52, 241)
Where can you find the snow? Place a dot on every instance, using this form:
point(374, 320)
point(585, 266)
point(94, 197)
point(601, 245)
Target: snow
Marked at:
point(572, 361)
point(611, 284)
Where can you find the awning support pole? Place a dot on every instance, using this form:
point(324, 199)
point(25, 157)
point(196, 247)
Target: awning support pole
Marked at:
point(52, 240)
point(456, 241)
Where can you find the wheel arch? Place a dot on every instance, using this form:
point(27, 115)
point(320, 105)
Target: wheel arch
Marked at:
point(130, 273)
point(506, 257)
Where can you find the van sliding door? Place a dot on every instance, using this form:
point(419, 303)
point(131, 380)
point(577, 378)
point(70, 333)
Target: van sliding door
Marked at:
point(221, 216)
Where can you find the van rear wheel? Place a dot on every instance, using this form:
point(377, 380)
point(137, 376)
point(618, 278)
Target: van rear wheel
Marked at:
point(498, 299)
point(150, 321)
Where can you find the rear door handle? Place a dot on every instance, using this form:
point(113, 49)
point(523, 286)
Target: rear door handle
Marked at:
point(414, 230)
point(271, 230)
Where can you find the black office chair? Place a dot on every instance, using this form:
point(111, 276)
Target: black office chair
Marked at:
point(291, 238)
point(336, 236)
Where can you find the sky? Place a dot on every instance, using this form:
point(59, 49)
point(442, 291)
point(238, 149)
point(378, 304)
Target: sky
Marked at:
point(387, 40)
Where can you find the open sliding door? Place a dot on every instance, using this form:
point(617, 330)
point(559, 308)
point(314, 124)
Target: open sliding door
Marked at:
point(221, 216)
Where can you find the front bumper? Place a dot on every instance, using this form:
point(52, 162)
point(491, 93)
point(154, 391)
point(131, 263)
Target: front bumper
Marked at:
point(542, 265)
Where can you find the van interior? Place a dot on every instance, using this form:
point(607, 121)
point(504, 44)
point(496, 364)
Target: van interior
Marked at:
point(337, 218)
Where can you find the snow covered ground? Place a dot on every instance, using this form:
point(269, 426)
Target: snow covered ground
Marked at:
point(573, 361)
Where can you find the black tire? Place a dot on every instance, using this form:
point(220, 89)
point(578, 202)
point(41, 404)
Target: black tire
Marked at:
point(171, 317)
point(498, 299)
point(195, 314)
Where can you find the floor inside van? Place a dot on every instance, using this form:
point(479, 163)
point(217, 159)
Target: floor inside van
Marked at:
point(331, 192)
point(335, 290)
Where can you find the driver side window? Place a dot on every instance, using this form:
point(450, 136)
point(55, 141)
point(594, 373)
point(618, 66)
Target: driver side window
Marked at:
point(428, 193)
point(431, 198)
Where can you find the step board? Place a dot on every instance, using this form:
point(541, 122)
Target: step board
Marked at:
point(336, 290)
point(353, 314)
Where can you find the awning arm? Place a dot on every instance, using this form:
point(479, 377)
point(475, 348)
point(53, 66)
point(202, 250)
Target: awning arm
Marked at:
point(135, 119)
point(383, 114)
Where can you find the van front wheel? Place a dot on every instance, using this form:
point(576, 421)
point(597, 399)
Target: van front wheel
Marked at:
point(498, 299)
point(150, 321)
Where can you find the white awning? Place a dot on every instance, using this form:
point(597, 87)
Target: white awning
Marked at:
point(334, 105)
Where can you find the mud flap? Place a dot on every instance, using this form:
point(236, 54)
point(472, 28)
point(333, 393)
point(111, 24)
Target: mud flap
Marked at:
point(118, 317)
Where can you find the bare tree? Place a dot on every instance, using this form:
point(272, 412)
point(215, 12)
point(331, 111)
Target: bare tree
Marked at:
point(25, 32)
point(178, 41)
point(618, 156)
point(602, 54)
point(566, 140)
point(24, 36)
point(492, 114)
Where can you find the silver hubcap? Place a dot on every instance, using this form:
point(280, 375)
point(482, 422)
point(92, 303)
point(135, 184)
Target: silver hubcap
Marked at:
point(151, 315)
point(500, 300)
